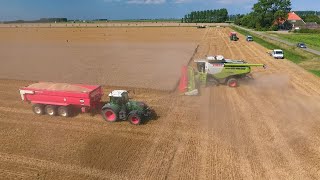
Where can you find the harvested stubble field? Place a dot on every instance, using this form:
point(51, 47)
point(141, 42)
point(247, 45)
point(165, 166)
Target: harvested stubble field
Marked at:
point(134, 57)
point(267, 128)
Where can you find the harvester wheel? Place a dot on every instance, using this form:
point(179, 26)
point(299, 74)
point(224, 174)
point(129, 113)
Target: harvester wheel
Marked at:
point(134, 119)
point(109, 115)
point(64, 111)
point(232, 82)
point(38, 109)
point(51, 110)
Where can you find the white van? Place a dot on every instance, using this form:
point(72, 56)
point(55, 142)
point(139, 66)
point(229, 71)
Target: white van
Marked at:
point(277, 54)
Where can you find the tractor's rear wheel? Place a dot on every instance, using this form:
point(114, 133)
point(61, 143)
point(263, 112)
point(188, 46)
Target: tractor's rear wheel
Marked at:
point(109, 115)
point(134, 119)
point(232, 82)
point(38, 109)
point(51, 110)
point(64, 111)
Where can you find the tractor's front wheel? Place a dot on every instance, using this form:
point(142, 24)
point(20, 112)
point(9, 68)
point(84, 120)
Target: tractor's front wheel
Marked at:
point(109, 115)
point(232, 82)
point(134, 119)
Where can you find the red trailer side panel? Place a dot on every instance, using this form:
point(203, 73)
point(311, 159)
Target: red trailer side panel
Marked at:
point(62, 94)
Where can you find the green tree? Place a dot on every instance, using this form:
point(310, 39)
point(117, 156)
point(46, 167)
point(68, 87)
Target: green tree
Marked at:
point(311, 18)
point(207, 16)
point(266, 13)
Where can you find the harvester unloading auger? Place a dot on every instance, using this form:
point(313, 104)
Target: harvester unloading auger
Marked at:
point(214, 70)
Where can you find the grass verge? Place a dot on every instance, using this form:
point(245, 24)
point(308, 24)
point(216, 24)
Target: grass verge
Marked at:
point(315, 72)
point(288, 52)
point(311, 40)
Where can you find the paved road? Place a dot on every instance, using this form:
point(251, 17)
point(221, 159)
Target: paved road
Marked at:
point(278, 39)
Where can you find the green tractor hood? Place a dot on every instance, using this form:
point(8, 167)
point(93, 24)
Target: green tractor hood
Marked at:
point(136, 105)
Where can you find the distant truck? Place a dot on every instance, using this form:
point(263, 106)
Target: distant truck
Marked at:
point(233, 36)
point(201, 26)
point(277, 54)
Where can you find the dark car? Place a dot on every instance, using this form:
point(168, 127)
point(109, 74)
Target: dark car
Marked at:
point(301, 45)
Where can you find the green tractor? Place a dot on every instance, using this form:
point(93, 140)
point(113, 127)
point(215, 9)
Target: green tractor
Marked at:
point(218, 70)
point(233, 36)
point(121, 108)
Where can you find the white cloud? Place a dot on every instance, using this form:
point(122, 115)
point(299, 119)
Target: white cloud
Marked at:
point(182, 1)
point(146, 1)
point(150, 1)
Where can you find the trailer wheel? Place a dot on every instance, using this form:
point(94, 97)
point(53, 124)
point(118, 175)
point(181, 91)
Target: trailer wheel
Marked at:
point(51, 110)
point(134, 119)
point(64, 111)
point(232, 82)
point(109, 115)
point(38, 109)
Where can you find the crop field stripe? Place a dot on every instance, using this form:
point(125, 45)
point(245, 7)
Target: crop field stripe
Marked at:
point(49, 165)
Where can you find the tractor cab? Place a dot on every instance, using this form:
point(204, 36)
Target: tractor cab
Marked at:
point(120, 97)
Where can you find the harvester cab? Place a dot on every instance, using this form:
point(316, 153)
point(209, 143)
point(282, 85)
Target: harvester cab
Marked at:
point(121, 108)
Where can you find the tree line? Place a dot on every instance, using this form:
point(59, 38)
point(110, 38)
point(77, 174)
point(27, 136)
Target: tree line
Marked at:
point(310, 18)
point(265, 15)
point(42, 20)
point(207, 16)
point(304, 13)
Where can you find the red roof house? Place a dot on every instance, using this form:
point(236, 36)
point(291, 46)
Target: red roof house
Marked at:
point(293, 17)
point(295, 20)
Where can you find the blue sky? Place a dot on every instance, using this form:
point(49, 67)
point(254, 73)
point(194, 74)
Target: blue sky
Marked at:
point(126, 9)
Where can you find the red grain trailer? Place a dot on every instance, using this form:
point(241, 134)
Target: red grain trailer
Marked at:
point(61, 98)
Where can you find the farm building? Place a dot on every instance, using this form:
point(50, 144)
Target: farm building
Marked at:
point(293, 21)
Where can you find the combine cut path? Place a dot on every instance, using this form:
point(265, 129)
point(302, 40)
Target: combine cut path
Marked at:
point(267, 128)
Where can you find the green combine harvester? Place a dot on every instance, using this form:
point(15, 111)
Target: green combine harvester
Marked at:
point(218, 70)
